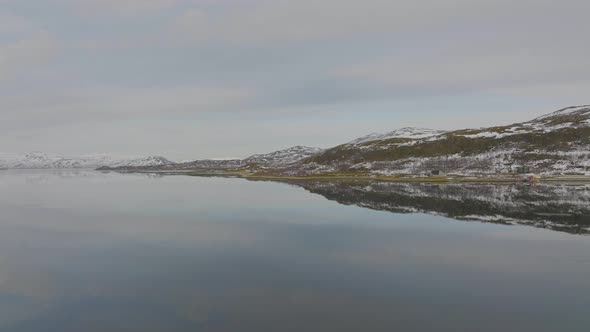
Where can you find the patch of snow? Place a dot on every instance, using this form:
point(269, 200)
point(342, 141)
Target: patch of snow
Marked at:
point(486, 134)
point(284, 157)
point(407, 132)
point(565, 111)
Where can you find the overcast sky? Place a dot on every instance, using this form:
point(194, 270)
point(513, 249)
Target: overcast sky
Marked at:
point(227, 78)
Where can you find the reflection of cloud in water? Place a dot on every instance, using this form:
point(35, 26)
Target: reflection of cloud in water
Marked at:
point(51, 176)
point(194, 254)
point(291, 278)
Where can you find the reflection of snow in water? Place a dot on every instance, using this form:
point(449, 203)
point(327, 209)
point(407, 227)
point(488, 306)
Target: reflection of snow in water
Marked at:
point(560, 206)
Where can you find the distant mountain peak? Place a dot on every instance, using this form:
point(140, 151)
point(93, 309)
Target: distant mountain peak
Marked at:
point(42, 160)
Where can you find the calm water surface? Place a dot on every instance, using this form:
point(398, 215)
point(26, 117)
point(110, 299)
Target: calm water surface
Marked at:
point(87, 251)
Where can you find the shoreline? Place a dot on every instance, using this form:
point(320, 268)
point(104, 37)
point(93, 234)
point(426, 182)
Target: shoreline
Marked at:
point(500, 179)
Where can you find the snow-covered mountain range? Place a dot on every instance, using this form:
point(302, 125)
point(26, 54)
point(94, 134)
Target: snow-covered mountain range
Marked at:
point(557, 143)
point(277, 159)
point(39, 160)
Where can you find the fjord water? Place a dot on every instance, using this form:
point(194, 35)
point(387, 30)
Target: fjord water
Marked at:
point(91, 251)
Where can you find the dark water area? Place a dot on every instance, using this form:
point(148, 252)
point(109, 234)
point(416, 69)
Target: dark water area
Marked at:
point(91, 251)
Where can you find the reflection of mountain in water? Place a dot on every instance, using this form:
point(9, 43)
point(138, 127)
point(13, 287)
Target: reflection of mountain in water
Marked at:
point(44, 176)
point(558, 207)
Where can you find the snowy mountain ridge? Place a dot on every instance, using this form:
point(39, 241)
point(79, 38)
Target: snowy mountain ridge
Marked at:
point(569, 117)
point(557, 143)
point(276, 159)
point(283, 157)
point(39, 160)
point(572, 110)
point(406, 132)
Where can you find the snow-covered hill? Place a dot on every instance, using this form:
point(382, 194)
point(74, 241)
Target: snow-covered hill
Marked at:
point(570, 117)
point(284, 157)
point(553, 144)
point(39, 160)
point(404, 133)
point(276, 159)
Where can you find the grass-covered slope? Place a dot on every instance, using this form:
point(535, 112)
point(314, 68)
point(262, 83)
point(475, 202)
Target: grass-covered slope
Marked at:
point(557, 143)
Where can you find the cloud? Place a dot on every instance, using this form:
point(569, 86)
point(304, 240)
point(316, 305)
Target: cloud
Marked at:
point(13, 24)
point(261, 22)
point(287, 21)
point(78, 106)
point(136, 9)
point(24, 54)
point(118, 7)
point(68, 63)
point(471, 72)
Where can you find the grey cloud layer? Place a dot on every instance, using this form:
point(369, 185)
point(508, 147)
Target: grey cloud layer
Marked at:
point(66, 63)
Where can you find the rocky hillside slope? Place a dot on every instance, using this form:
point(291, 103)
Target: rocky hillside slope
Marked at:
point(284, 157)
point(556, 143)
point(274, 160)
